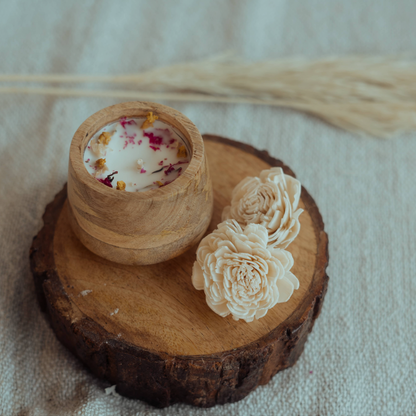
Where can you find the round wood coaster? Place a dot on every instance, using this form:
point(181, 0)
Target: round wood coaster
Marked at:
point(147, 330)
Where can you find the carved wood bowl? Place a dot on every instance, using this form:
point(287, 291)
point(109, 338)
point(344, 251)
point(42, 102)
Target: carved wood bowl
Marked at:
point(139, 228)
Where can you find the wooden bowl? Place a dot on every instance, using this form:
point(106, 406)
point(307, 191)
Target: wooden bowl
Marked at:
point(139, 228)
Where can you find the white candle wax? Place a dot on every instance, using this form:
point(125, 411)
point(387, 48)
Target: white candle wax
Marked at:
point(144, 159)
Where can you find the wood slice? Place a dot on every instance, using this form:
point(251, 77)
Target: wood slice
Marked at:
point(146, 329)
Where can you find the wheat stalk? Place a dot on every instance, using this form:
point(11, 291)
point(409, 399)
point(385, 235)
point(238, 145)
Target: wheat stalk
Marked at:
point(366, 95)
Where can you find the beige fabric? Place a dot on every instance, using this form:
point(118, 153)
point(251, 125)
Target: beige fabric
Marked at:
point(361, 357)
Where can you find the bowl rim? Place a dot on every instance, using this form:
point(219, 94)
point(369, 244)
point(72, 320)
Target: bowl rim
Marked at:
point(137, 109)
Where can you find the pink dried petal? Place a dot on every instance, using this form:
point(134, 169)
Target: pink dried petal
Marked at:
point(106, 182)
point(152, 138)
point(169, 169)
point(124, 122)
point(165, 133)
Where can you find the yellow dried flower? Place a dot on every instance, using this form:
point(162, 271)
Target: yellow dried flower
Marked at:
point(182, 152)
point(159, 183)
point(121, 186)
point(105, 138)
point(100, 163)
point(150, 119)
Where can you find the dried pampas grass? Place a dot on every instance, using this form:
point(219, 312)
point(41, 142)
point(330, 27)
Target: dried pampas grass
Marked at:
point(366, 95)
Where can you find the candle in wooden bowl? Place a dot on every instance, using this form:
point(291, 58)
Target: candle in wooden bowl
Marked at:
point(139, 222)
point(142, 155)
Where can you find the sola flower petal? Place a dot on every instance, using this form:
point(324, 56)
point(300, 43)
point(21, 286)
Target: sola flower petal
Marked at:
point(261, 252)
point(228, 244)
point(222, 250)
point(284, 257)
point(197, 276)
point(261, 312)
point(257, 233)
point(275, 296)
point(293, 279)
point(219, 308)
point(246, 185)
point(239, 312)
point(273, 271)
point(207, 280)
point(230, 225)
point(274, 174)
point(275, 220)
point(294, 191)
point(241, 246)
point(216, 292)
point(202, 254)
point(286, 288)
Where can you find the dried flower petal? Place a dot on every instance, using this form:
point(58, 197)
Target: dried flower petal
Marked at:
point(124, 122)
point(99, 149)
point(157, 140)
point(105, 138)
point(100, 163)
point(106, 182)
point(169, 169)
point(150, 119)
point(182, 152)
point(121, 186)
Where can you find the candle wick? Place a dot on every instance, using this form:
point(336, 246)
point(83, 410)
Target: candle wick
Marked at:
point(156, 171)
point(109, 177)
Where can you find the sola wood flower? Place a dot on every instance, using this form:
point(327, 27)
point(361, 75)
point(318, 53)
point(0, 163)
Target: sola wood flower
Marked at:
point(239, 274)
point(270, 200)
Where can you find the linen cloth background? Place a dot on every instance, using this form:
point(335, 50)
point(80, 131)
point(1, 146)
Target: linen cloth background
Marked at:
point(362, 351)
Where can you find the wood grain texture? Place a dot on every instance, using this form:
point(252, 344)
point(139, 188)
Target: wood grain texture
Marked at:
point(164, 345)
point(139, 227)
